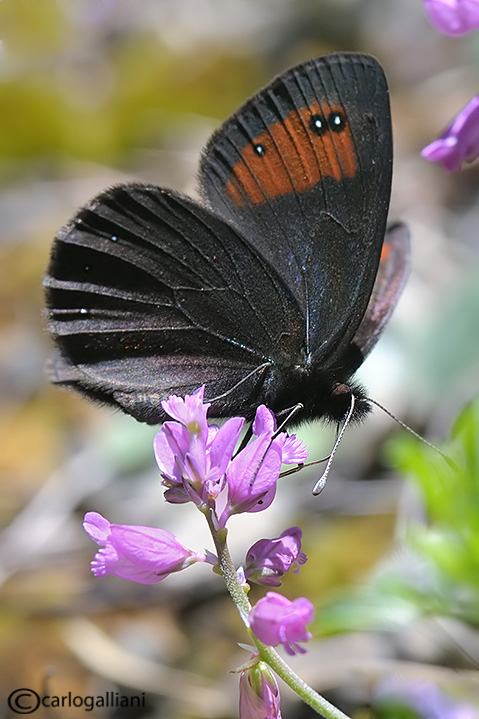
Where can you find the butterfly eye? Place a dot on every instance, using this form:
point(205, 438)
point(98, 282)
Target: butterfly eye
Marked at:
point(318, 124)
point(336, 121)
point(260, 150)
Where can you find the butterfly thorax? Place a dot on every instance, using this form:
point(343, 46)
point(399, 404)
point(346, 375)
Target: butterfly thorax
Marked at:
point(324, 394)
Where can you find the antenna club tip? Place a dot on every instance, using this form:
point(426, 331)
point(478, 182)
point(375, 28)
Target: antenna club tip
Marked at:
point(319, 486)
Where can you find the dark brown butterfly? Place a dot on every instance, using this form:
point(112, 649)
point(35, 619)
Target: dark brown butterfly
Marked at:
point(272, 289)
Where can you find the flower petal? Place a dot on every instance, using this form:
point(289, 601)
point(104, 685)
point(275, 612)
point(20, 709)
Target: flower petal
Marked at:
point(445, 16)
point(252, 476)
point(459, 142)
point(224, 443)
point(294, 451)
point(97, 527)
point(264, 422)
point(189, 410)
point(170, 446)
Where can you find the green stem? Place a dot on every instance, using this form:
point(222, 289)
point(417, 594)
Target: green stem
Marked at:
point(303, 690)
point(227, 568)
point(267, 654)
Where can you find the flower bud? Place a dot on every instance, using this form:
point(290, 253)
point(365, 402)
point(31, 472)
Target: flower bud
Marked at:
point(276, 620)
point(259, 694)
point(269, 559)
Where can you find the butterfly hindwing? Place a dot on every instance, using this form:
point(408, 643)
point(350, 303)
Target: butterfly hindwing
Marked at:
point(392, 274)
point(149, 294)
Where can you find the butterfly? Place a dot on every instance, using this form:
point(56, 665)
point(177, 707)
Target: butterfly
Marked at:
point(271, 289)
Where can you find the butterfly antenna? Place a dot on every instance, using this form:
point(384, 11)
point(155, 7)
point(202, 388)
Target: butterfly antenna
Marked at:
point(291, 413)
point(249, 431)
point(321, 483)
point(304, 465)
point(415, 434)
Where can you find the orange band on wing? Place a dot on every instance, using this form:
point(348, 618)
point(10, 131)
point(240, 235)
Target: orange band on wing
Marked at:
point(294, 155)
point(385, 252)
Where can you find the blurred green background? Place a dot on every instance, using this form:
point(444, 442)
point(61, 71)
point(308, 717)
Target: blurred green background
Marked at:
point(93, 92)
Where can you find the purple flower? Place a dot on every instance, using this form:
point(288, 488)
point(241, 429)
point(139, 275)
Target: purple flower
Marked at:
point(460, 142)
point(453, 17)
point(276, 620)
point(293, 451)
point(190, 410)
point(142, 554)
point(269, 559)
point(191, 456)
point(258, 694)
point(196, 460)
point(252, 475)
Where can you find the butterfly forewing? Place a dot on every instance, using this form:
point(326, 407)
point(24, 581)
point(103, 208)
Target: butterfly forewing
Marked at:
point(304, 170)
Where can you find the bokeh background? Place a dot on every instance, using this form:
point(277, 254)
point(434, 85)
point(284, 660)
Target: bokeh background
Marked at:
point(93, 92)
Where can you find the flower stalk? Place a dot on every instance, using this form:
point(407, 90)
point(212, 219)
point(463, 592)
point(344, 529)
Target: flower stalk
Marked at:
point(227, 570)
point(317, 702)
point(266, 653)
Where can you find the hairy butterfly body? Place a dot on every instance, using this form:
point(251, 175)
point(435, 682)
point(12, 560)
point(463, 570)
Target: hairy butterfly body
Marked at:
point(271, 290)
